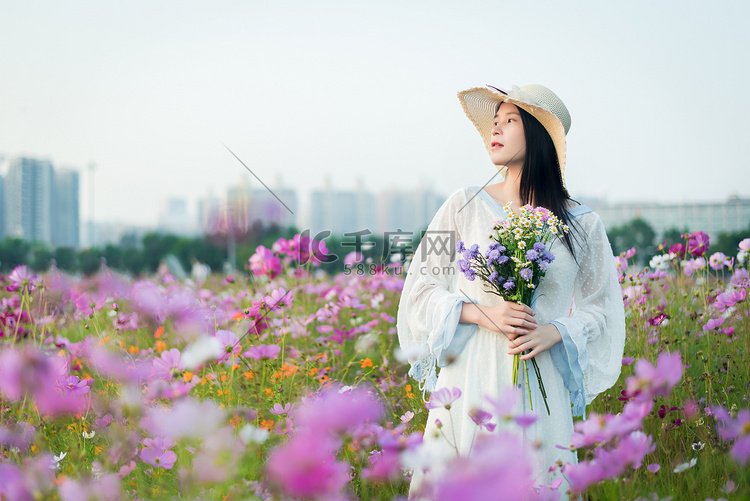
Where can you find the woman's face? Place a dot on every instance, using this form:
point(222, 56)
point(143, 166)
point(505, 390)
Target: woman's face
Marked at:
point(508, 140)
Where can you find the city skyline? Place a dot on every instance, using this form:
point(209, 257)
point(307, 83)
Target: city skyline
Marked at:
point(153, 94)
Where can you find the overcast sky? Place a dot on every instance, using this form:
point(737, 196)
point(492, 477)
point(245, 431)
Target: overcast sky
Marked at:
point(360, 91)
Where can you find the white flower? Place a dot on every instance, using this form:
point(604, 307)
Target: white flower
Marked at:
point(408, 416)
point(253, 434)
point(698, 446)
point(205, 349)
point(685, 466)
point(88, 435)
point(56, 464)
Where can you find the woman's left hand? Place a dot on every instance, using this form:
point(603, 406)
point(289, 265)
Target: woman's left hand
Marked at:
point(540, 339)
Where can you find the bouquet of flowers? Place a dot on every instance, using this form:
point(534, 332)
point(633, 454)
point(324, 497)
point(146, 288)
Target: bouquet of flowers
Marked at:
point(515, 263)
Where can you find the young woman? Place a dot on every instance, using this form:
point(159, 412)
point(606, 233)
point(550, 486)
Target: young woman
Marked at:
point(448, 322)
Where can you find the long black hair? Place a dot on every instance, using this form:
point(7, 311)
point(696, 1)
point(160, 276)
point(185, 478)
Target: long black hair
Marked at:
point(541, 179)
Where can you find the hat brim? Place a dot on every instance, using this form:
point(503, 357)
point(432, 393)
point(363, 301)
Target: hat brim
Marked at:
point(480, 103)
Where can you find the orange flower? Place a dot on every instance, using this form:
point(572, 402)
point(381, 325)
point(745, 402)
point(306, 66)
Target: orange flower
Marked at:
point(366, 363)
point(267, 424)
point(188, 376)
point(313, 371)
point(248, 375)
point(238, 316)
point(161, 346)
point(269, 391)
point(134, 350)
point(159, 332)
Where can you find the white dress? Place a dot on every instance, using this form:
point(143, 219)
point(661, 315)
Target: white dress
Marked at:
point(475, 360)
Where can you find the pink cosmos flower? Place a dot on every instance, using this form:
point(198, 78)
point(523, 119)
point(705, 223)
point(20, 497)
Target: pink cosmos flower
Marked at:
point(230, 344)
point(22, 278)
point(741, 279)
point(157, 452)
point(650, 381)
point(74, 385)
point(728, 299)
point(698, 243)
point(88, 304)
point(443, 397)
point(735, 429)
point(719, 260)
point(278, 409)
point(482, 419)
point(688, 267)
point(265, 262)
point(339, 410)
point(305, 467)
point(279, 297)
point(168, 365)
point(713, 324)
point(105, 488)
point(499, 463)
point(263, 351)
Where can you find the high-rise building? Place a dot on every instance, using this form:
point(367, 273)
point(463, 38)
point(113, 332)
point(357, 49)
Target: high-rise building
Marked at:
point(40, 204)
point(28, 199)
point(65, 214)
point(342, 212)
point(175, 217)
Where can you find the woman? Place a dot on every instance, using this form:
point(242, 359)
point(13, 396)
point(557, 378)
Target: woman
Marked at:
point(444, 320)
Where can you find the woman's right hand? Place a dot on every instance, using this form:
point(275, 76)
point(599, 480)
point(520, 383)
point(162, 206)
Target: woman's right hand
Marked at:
point(511, 319)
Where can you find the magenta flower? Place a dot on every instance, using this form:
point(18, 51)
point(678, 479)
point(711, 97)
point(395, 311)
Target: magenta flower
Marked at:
point(737, 430)
point(698, 243)
point(168, 365)
point(263, 351)
point(74, 385)
point(688, 267)
point(677, 249)
point(265, 262)
point(278, 409)
point(653, 467)
point(157, 452)
point(443, 397)
point(713, 324)
point(628, 360)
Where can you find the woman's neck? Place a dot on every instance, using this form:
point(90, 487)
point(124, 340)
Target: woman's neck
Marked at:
point(510, 189)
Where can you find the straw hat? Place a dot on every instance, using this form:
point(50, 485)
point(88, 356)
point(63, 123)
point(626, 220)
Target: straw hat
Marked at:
point(480, 104)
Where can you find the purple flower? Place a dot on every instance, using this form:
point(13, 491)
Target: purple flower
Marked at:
point(263, 351)
point(443, 397)
point(460, 248)
point(157, 452)
point(169, 365)
point(278, 409)
point(509, 285)
point(539, 247)
point(526, 274)
point(698, 243)
point(532, 254)
point(653, 467)
point(493, 277)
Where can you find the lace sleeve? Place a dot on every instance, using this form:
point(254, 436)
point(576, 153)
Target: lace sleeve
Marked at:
point(594, 333)
point(429, 306)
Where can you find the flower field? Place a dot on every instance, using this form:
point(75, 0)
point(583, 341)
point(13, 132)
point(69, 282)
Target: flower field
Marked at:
point(284, 383)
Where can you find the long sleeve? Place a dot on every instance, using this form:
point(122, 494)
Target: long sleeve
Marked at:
point(590, 355)
point(429, 309)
